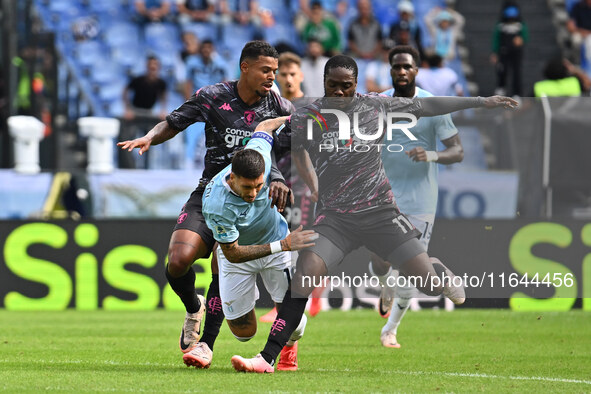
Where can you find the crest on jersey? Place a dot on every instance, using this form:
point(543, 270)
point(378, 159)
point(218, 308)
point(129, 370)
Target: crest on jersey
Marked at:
point(249, 117)
point(220, 230)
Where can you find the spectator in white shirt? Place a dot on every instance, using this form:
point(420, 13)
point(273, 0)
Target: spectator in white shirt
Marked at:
point(438, 79)
point(313, 69)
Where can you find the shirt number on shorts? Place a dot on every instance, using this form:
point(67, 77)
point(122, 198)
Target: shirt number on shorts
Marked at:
point(401, 221)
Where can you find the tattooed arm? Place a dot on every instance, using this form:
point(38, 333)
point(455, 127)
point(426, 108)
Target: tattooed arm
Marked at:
point(296, 240)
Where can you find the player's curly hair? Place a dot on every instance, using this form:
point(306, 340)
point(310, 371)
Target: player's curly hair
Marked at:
point(405, 49)
point(248, 163)
point(341, 61)
point(254, 49)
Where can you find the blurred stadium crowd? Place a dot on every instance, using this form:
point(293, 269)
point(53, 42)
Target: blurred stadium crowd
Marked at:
point(102, 43)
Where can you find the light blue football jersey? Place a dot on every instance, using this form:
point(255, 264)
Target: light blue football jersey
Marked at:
point(230, 218)
point(415, 183)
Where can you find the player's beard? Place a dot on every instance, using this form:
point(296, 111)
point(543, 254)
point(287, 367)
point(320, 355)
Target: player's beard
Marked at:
point(407, 90)
point(262, 94)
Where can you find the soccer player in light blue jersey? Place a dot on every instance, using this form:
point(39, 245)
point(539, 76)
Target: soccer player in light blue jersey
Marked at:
point(253, 239)
point(413, 177)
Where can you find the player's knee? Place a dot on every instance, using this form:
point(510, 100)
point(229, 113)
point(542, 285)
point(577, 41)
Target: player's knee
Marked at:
point(310, 264)
point(243, 327)
point(243, 334)
point(179, 259)
point(243, 339)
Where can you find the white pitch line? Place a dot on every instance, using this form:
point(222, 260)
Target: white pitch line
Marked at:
point(346, 370)
point(472, 375)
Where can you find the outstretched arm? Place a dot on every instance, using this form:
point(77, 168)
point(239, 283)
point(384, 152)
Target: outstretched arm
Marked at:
point(434, 106)
point(159, 133)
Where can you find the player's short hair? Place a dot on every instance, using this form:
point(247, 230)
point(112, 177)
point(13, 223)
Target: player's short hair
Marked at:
point(248, 163)
point(434, 60)
point(288, 58)
point(254, 49)
point(341, 61)
point(405, 49)
point(207, 41)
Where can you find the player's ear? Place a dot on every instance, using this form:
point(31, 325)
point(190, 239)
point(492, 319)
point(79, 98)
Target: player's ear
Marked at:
point(244, 66)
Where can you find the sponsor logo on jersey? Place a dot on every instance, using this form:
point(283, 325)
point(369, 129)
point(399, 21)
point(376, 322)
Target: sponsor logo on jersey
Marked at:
point(236, 137)
point(249, 117)
point(226, 107)
point(182, 217)
point(220, 230)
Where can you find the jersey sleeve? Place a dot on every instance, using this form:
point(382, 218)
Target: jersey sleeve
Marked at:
point(287, 107)
point(191, 111)
point(445, 127)
point(402, 104)
point(224, 231)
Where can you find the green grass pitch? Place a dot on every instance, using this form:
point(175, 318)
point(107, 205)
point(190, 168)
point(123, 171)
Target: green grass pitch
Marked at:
point(462, 351)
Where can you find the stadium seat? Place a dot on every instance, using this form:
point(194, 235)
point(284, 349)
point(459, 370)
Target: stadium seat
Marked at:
point(280, 33)
point(422, 7)
point(234, 36)
point(203, 31)
point(174, 100)
point(88, 53)
point(114, 108)
point(113, 90)
point(162, 36)
point(112, 7)
point(122, 34)
point(106, 71)
point(61, 6)
point(385, 11)
point(282, 13)
point(128, 55)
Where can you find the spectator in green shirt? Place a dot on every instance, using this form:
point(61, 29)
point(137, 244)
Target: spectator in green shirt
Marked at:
point(323, 29)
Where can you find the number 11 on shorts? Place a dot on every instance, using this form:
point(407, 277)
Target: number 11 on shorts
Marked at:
point(405, 221)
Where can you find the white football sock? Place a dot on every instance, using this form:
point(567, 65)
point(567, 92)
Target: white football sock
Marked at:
point(399, 308)
point(298, 332)
point(383, 279)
